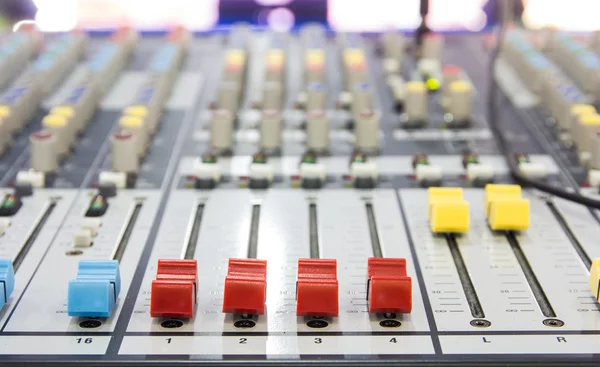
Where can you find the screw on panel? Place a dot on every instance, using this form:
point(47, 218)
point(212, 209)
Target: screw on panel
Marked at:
point(244, 324)
point(171, 324)
point(317, 323)
point(390, 323)
point(553, 322)
point(480, 323)
point(90, 324)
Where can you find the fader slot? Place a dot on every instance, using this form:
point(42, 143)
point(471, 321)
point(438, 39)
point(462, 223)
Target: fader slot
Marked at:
point(314, 231)
point(253, 237)
point(33, 235)
point(465, 279)
point(375, 244)
point(587, 262)
point(534, 284)
point(126, 234)
point(192, 238)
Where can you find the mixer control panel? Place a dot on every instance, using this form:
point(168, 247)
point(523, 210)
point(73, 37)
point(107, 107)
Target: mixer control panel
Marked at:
point(251, 197)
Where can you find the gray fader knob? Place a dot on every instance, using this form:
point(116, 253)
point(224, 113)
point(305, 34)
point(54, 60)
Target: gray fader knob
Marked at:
point(587, 128)
point(229, 96)
point(123, 152)
point(366, 129)
point(460, 100)
point(393, 51)
point(595, 157)
point(416, 101)
point(362, 98)
point(42, 151)
point(270, 130)
point(221, 130)
point(317, 130)
point(316, 96)
point(272, 96)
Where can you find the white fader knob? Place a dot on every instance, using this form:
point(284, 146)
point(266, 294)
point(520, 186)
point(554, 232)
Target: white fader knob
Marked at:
point(270, 130)
point(416, 101)
point(123, 153)
point(317, 130)
point(221, 130)
point(366, 130)
point(42, 151)
point(460, 100)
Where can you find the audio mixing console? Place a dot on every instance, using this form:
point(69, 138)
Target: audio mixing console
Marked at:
point(252, 197)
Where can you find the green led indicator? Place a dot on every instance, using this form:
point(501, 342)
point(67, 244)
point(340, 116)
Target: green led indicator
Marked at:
point(98, 203)
point(209, 158)
point(472, 159)
point(359, 158)
point(309, 159)
point(433, 84)
point(9, 202)
point(259, 158)
point(522, 158)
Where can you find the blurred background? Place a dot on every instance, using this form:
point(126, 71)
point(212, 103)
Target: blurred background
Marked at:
point(346, 15)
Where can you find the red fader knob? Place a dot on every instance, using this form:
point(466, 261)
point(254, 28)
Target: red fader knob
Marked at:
point(389, 289)
point(245, 287)
point(174, 290)
point(317, 288)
